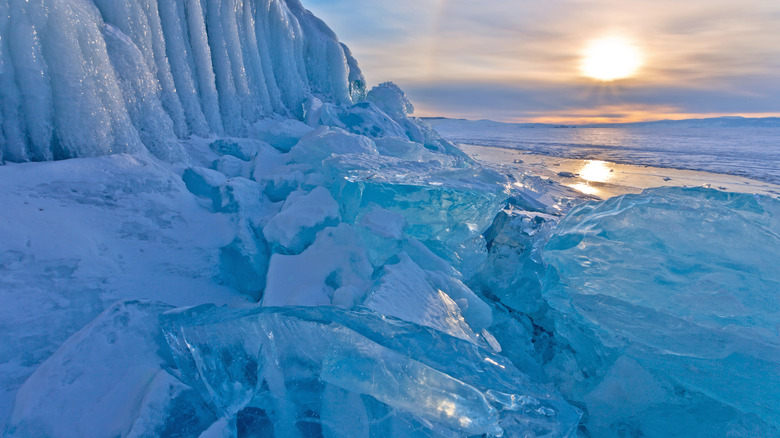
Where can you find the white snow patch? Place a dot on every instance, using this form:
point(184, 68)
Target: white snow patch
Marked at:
point(336, 264)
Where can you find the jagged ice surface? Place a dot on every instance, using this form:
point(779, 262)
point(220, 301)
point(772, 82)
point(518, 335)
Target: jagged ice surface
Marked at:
point(681, 283)
point(293, 362)
point(92, 77)
point(258, 175)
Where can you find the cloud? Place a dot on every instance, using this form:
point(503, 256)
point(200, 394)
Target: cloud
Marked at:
point(512, 57)
point(576, 102)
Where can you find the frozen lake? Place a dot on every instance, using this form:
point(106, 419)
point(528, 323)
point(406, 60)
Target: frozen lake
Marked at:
point(752, 152)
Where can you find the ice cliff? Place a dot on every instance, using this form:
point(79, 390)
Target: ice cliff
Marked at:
point(248, 243)
point(91, 77)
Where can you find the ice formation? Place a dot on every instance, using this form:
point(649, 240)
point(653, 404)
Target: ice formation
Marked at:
point(309, 370)
point(674, 291)
point(92, 77)
point(266, 249)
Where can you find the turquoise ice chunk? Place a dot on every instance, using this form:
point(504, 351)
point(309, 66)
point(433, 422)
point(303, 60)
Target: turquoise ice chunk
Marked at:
point(685, 281)
point(439, 204)
point(314, 365)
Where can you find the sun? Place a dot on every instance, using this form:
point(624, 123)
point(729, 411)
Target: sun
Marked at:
point(609, 59)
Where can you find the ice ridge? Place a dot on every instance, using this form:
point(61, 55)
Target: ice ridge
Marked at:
point(93, 77)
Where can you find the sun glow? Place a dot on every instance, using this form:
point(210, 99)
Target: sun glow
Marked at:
point(609, 59)
point(596, 171)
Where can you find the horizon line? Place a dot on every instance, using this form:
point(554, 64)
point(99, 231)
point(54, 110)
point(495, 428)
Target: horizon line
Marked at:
point(552, 121)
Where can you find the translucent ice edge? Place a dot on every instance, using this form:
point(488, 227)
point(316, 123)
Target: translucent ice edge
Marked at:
point(684, 282)
point(283, 360)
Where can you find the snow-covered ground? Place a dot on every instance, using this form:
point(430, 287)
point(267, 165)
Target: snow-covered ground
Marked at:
point(741, 147)
point(80, 234)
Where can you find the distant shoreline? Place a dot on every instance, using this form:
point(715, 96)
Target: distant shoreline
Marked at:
point(712, 122)
point(698, 145)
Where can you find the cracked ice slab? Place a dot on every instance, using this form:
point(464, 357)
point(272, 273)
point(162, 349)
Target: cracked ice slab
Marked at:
point(287, 362)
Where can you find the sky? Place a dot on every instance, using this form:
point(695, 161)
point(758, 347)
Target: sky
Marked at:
point(519, 60)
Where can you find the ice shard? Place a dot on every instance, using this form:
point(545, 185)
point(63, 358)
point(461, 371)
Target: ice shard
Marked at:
point(315, 367)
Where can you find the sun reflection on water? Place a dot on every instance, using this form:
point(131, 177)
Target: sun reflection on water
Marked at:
point(584, 188)
point(596, 171)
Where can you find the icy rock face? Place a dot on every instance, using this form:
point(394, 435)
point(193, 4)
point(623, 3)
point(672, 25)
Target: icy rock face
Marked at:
point(312, 371)
point(675, 290)
point(93, 77)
